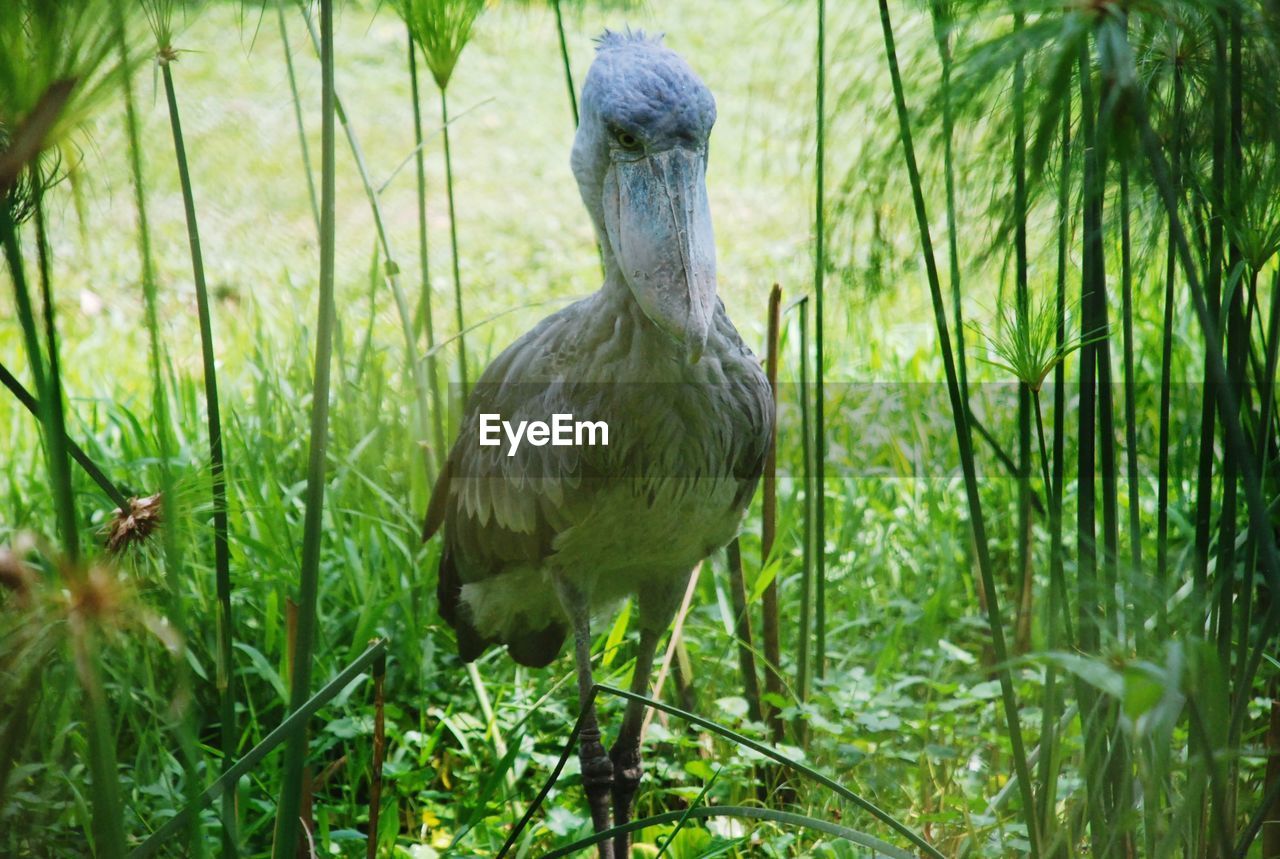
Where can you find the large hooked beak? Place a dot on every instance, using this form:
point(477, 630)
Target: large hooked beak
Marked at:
point(659, 226)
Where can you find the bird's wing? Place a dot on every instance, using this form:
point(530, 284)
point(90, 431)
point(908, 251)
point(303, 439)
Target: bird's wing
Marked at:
point(498, 511)
point(754, 417)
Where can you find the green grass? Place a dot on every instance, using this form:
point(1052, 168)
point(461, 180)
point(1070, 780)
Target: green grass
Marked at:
point(910, 712)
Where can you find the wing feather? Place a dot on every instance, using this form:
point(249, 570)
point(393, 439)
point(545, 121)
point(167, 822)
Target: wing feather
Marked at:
point(501, 512)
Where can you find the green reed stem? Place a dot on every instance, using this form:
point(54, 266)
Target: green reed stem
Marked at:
point(1054, 488)
point(60, 466)
point(769, 525)
point(819, 369)
point(1213, 283)
point(108, 815)
point(227, 734)
point(286, 834)
point(564, 61)
point(1260, 817)
point(1130, 393)
point(1120, 55)
point(379, 750)
point(1022, 309)
point(1239, 349)
point(47, 383)
point(1054, 473)
point(22, 302)
point(1166, 374)
point(1057, 550)
point(428, 315)
point(1093, 601)
point(171, 545)
point(155, 352)
point(942, 21)
point(1263, 440)
point(806, 549)
point(97, 475)
point(297, 113)
point(417, 369)
point(742, 632)
point(963, 437)
point(453, 242)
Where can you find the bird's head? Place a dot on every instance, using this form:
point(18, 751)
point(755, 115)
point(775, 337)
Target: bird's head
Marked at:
point(640, 158)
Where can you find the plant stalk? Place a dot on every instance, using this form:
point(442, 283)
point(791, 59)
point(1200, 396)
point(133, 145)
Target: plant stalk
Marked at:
point(453, 242)
point(819, 369)
point(286, 833)
point(433, 377)
point(960, 418)
point(221, 546)
point(769, 525)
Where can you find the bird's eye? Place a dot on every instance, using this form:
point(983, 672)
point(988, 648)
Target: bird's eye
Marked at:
point(627, 140)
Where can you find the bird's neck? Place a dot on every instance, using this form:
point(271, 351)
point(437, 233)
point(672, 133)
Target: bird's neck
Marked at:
point(645, 350)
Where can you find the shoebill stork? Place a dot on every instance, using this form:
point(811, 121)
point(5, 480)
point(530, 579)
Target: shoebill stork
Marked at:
point(540, 540)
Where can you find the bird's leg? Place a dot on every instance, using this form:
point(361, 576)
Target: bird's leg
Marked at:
point(625, 753)
point(597, 768)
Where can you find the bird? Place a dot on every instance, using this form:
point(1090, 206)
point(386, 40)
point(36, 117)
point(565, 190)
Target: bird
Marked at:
point(541, 540)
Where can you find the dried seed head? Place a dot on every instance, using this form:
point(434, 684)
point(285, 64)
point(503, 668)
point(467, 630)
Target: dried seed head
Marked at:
point(134, 525)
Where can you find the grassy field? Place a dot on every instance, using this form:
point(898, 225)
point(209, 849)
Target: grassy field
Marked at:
point(1156, 741)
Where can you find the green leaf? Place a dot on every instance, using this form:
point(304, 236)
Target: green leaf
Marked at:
point(1142, 691)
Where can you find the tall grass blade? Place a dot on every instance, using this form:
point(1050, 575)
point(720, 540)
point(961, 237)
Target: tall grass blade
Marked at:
point(424, 301)
point(55, 413)
point(227, 732)
point(769, 525)
point(1166, 365)
point(171, 544)
point(1022, 308)
point(1213, 284)
point(49, 390)
point(1093, 601)
point(941, 12)
point(819, 369)
point(1238, 350)
point(806, 470)
point(304, 147)
point(564, 61)
point(286, 834)
point(1130, 396)
point(453, 244)
point(379, 751)
point(742, 632)
point(108, 823)
point(1054, 475)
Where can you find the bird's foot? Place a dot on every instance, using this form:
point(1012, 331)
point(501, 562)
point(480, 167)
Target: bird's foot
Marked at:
point(627, 770)
point(598, 782)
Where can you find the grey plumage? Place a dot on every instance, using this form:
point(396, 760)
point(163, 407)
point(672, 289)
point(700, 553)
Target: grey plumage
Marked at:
point(537, 543)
